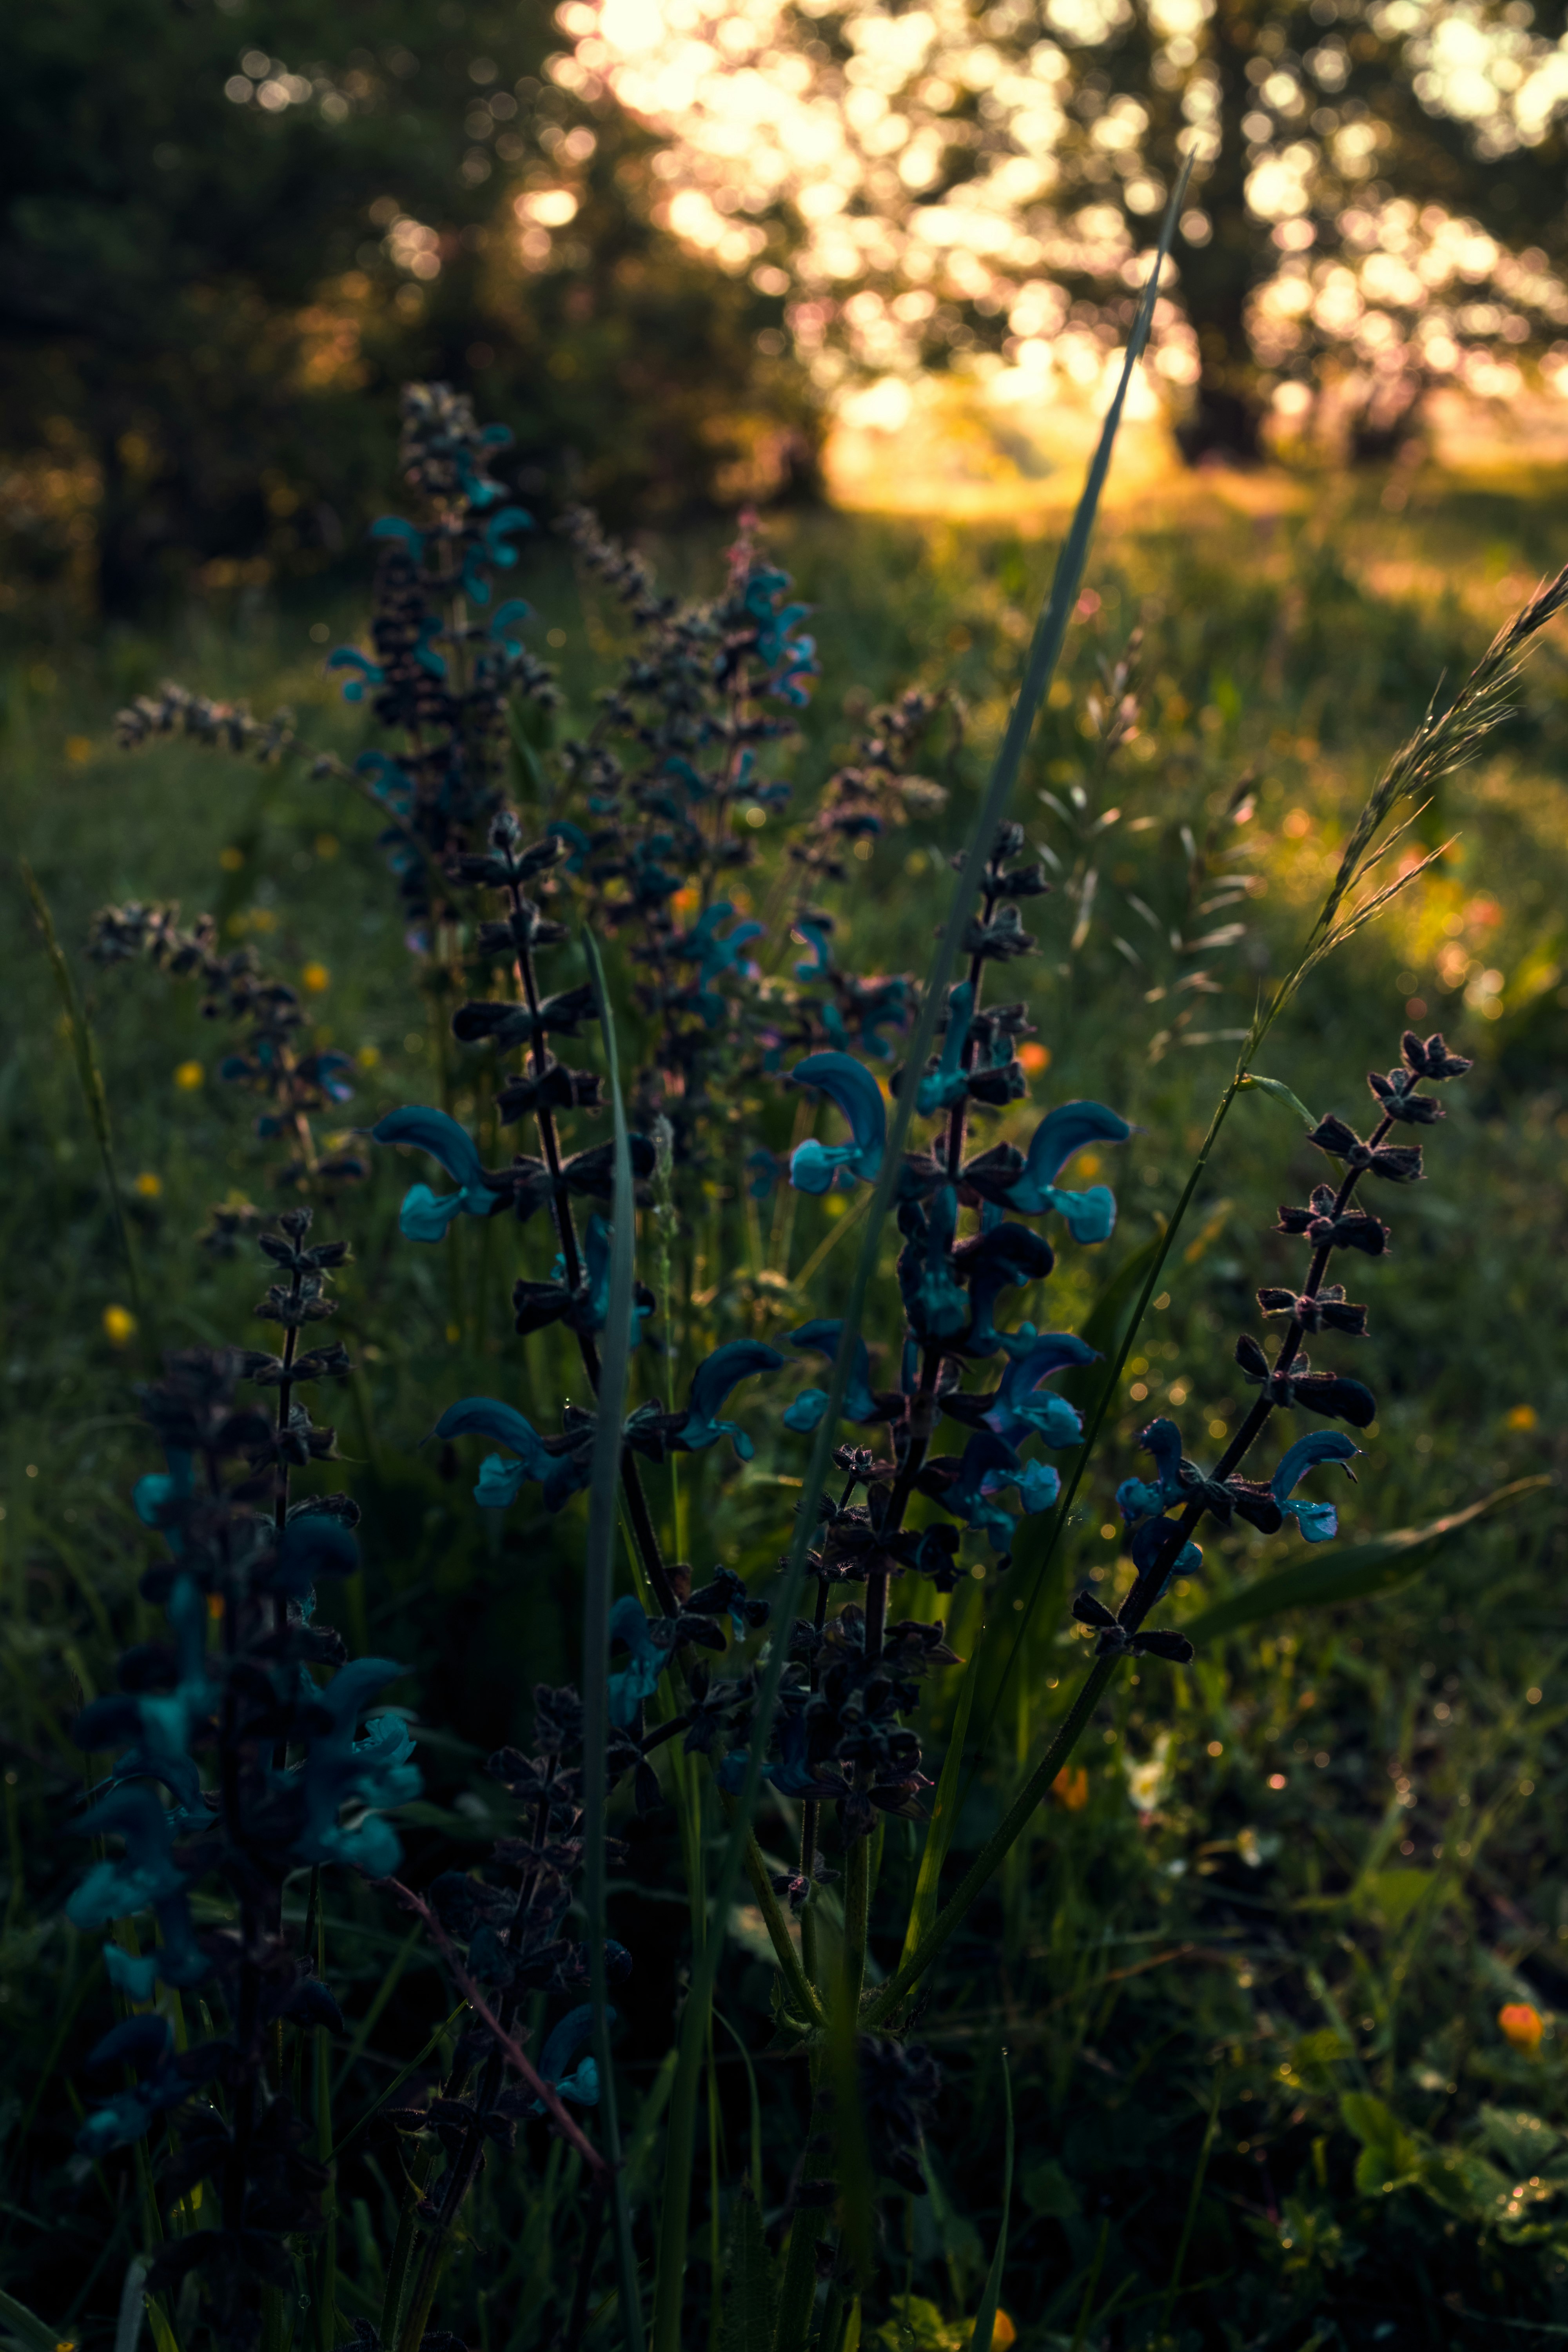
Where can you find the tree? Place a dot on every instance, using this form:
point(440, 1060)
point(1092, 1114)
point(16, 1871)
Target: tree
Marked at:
point(222, 253)
point(988, 175)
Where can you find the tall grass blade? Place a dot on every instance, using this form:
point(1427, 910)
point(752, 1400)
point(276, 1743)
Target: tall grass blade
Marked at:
point(943, 1813)
point(1044, 651)
point(604, 1517)
point(132, 2309)
point(1357, 1572)
point(1172, 2285)
point(26, 2326)
point(986, 2322)
point(89, 1078)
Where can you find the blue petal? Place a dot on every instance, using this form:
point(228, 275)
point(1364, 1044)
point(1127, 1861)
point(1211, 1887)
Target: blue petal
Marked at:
point(313, 1546)
point(565, 2040)
point(499, 1482)
point(1319, 1522)
point(488, 1417)
point(857, 1095)
point(1091, 1216)
point(712, 1381)
point(821, 1337)
point(137, 1978)
point(396, 526)
point(1061, 1133)
point(806, 1411)
point(431, 1130)
point(813, 1166)
point(1318, 1445)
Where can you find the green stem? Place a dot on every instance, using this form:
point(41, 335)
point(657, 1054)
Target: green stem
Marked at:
point(988, 1860)
point(403, 2246)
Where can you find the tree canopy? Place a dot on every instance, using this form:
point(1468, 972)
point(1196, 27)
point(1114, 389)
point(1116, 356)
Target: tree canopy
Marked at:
point(229, 227)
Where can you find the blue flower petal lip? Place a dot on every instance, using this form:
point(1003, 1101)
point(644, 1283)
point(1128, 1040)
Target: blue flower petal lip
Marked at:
point(396, 527)
point(488, 1417)
point(821, 1337)
point(1091, 1216)
point(857, 1094)
point(718, 1374)
point(425, 1215)
point(1317, 1445)
point(1062, 1132)
point(431, 1130)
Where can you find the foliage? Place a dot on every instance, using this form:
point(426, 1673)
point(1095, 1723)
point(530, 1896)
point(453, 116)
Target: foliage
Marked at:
point(1344, 1917)
point(232, 231)
point(1376, 206)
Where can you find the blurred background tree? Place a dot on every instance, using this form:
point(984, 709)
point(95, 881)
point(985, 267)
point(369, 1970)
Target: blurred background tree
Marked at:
point(1380, 201)
point(232, 229)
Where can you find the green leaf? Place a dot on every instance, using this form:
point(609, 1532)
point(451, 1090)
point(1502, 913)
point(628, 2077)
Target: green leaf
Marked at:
point(1389, 2155)
point(749, 2299)
point(943, 1814)
point(1525, 2142)
point(1281, 1092)
point(1395, 1894)
point(1358, 1571)
point(530, 773)
point(985, 2322)
point(1049, 2191)
point(25, 2327)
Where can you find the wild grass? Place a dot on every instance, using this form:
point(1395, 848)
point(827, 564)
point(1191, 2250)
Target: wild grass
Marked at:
point(1254, 1949)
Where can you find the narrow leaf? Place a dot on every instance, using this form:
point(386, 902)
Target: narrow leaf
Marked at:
point(985, 2325)
point(750, 2303)
point(1281, 1092)
point(26, 2326)
point(1358, 1571)
point(944, 1813)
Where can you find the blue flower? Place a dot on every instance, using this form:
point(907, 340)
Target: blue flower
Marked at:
point(822, 1339)
point(580, 2084)
point(711, 1384)
point(814, 1166)
point(157, 1498)
point(935, 1302)
point(639, 1679)
point(560, 1476)
point(146, 1875)
point(388, 780)
point(1150, 1540)
point(365, 672)
point(147, 2045)
point(493, 546)
point(153, 1729)
point(1019, 1412)
point(372, 1774)
point(505, 626)
point(950, 1082)
point(394, 527)
point(1091, 1215)
point(425, 1215)
point(999, 1259)
point(715, 956)
point(814, 930)
point(1319, 1522)
point(988, 1465)
point(596, 1242)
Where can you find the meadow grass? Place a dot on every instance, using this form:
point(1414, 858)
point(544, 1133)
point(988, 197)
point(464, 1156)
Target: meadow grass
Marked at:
point(1254, 1952)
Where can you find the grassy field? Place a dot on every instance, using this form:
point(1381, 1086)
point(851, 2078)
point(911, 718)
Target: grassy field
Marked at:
point(1253, 1958)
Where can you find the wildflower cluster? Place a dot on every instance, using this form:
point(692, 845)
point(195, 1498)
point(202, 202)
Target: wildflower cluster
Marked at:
point(1330, 1220)
point(233, 1766)
point(275, 1059)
